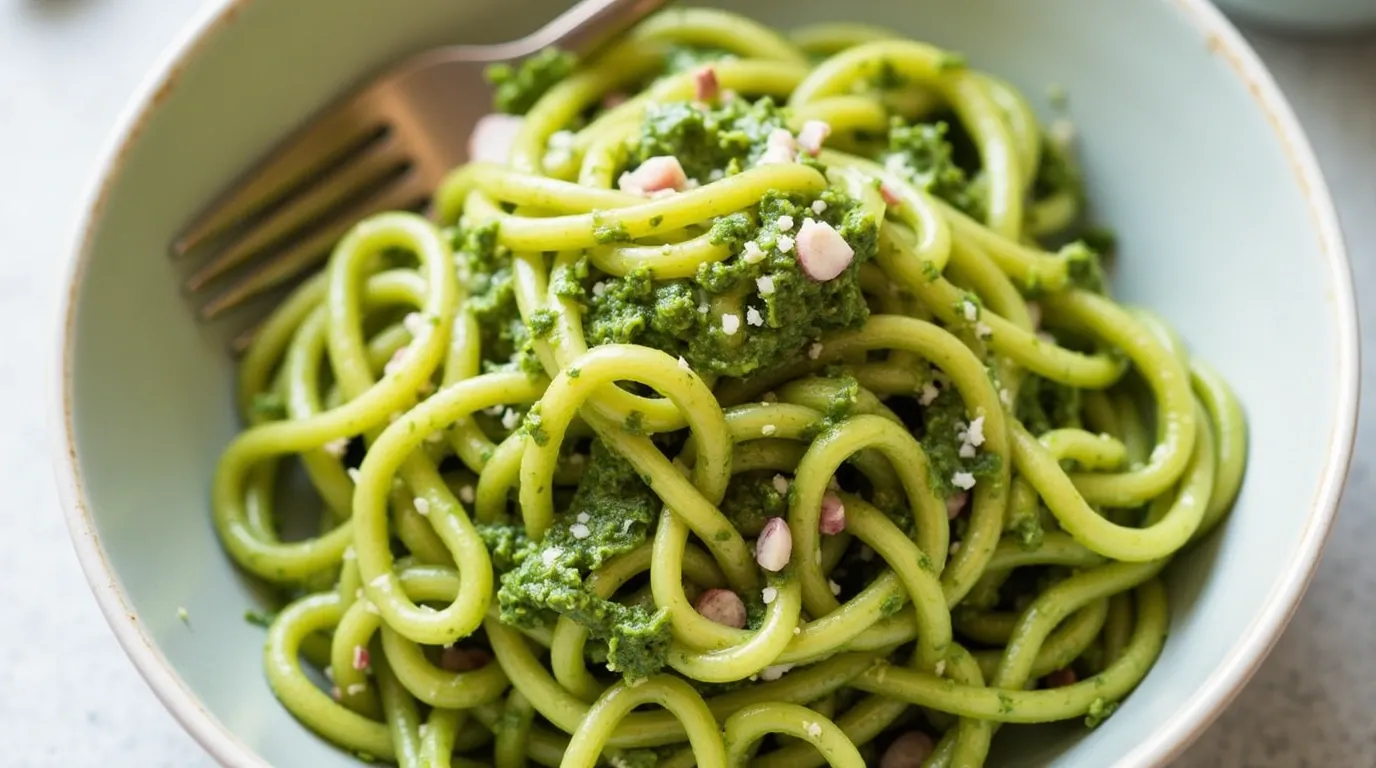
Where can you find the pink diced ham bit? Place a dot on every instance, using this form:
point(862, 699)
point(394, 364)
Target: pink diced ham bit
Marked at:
point(493, 137)
point(890, 197)
point(1061, 678)
point(775, 545)
point(705, 85)
point(657, 174)
point(833, 518)
point(955, 504)
point(910, 750)
point(822, 253)
point(813, 135)
point(722, 606)
point(360, 658)
point(456, 659)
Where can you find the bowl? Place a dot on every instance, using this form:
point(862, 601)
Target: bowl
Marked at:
point(1320, 16)
point(1191, 153)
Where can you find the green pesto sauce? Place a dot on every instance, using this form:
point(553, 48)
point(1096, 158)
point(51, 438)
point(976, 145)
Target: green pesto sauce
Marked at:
point(1099, 711)
point(942, 422)
point(490, 283)
point(609, 231)
point(1058, 173)
point(676, 315)
point(537, 588)
point(751, 499)
point(640, 758)
point(727, 137)
point(262, 619)
point(1029, 532)
point(517, 88)
point(923, 154)
point(1044, 405)
point(1086, 267)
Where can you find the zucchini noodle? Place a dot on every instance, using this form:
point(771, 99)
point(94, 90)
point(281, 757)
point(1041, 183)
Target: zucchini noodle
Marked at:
point(827, 453)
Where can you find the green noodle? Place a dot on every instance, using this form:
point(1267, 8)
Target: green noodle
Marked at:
point(1103, 450)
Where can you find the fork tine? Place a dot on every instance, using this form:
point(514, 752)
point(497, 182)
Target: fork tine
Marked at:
point(407, 192)
point(331, 135)
point(300, 211)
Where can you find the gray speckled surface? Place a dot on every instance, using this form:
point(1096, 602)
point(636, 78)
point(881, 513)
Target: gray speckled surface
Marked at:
point(71, 697)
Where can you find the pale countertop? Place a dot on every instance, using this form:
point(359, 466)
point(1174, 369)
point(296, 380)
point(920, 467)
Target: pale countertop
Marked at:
point(71, 698)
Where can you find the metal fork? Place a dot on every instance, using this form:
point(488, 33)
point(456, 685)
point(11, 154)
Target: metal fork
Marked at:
point(383, 147)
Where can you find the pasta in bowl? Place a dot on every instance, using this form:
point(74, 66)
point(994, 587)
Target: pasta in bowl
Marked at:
point(742, 380)
point(904, 378)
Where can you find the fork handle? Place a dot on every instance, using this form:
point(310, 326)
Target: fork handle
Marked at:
point(590, 24)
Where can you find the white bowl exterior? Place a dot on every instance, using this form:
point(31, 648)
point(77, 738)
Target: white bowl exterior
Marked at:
point(1192, 156)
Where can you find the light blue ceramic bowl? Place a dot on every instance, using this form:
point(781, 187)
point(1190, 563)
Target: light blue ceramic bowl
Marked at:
point(1192, 155)
point(1307, 15)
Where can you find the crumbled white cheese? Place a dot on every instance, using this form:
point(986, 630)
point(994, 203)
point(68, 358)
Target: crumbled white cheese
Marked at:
point(415, 324)
point(579, 531)
point(784, 223)
point(975, 432)
point(813, 729)
point(970, 310)
point(765, 285)
point(730, 324)
point(510, 419)
point(929, 393)
point(963, 480)
point(753, 317)
point(583, 517)
point(819, 206)
point(550, 555)
point(682, 363)
point(785, 243)
point(769, 594)
point(768, 430)
point(561, 139)
point(466, 494)
point(815, 351)
point(422, 505)
point(753, 254)
point(835, 588)
point(781, 484)
point(770, 674)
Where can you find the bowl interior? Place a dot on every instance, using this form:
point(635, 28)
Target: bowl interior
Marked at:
point(1218, 236)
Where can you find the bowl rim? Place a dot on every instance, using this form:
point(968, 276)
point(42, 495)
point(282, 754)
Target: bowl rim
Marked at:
point(1180, 730)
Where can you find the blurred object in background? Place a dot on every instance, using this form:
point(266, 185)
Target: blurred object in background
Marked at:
point(1317, 16)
